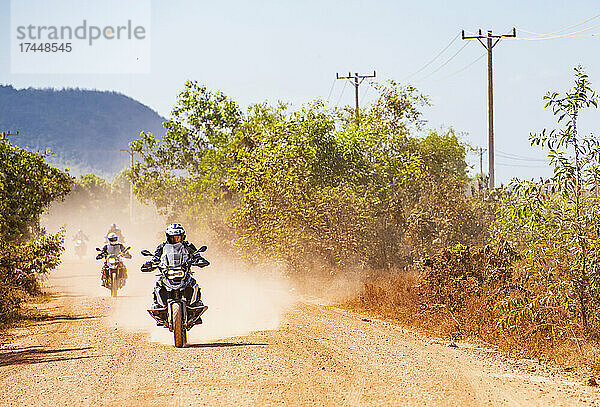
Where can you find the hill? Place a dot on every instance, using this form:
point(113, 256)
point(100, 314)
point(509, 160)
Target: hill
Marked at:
point(84, 128)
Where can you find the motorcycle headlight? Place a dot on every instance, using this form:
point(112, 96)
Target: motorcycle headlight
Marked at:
point(112, 261)
point(175, 273)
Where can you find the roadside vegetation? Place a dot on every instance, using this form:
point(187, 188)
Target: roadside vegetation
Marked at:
point(392, 205)
point(27, 186)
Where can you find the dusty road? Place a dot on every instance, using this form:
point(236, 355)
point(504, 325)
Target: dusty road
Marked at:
point(93, 350)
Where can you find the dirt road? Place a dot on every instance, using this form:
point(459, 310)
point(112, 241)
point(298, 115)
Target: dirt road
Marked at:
point(94, 350)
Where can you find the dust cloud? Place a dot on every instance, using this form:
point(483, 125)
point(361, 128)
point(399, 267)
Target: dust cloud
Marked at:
point(241, 299)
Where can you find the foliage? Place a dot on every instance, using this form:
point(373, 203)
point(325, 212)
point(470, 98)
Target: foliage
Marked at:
point(309, 186)
point(27, 186)
point(555, 221)
point(20, 267)
point(456, 274)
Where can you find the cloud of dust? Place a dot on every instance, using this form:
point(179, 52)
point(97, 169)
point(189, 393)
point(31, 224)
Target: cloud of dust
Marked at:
point(241, 299)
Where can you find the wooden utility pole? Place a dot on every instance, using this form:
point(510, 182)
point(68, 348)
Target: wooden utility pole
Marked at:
point(5, 134)
point(480, 152)
point(356, 80)
point(491, 41)
point(131, 153)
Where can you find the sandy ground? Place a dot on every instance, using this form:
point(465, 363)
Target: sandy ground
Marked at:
point(258, 346)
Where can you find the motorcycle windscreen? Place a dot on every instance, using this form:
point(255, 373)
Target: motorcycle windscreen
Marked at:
point(174, 254)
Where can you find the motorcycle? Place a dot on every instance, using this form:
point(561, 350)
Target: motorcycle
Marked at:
point(177, 314)
point(115, 271)
point(80, 248)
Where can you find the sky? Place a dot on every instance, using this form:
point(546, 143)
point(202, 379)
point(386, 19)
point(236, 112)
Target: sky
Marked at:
point(290, 50)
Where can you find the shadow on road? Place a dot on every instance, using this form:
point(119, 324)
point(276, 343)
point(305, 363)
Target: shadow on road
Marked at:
point(223, 344)
point(38, 354)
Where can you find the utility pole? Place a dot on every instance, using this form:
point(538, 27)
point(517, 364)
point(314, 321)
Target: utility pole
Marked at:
point(491, 41)
point(131, 153)
point(355, 80)
point(480, 152)
point(5, 134)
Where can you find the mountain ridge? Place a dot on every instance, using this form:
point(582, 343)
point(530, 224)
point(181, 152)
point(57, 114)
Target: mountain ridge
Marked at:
point(84, 128)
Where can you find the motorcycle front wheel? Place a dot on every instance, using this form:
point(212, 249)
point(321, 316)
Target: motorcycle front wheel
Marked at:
point(114, 285)
point(179, 332)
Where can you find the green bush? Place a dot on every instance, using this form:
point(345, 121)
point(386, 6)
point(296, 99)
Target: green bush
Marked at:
point(27, 186)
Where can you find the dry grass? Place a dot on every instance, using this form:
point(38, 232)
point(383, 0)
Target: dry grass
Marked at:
point(404, 298)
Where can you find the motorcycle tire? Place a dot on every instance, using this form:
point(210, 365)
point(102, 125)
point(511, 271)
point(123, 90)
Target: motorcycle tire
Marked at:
point(179, 332)
point(114, 285)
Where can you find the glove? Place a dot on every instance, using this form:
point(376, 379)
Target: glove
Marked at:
point(147, 266)
point(98, 257)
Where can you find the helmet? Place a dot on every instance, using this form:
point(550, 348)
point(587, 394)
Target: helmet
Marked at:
point(113, 226)
point(112, 238)
point(175, 233)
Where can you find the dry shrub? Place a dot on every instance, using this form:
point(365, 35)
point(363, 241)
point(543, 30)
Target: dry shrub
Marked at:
point(460, 293)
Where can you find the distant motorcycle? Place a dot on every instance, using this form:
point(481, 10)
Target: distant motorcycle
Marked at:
point(115, 271)
point(80, 248)
point(178, 316)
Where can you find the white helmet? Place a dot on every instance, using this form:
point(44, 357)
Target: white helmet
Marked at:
point(112, 238)
point(174, 230)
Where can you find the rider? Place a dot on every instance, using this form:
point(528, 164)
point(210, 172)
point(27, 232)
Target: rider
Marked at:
point(181, 248)
point(115, 229)
point(80, 236)
point(112, 248)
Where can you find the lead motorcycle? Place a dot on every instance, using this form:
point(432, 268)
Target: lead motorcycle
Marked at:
point(116, 271)
point(177, 294)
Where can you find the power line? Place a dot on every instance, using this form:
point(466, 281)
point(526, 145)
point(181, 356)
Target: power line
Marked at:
point(501, 164)
point(556, 37)
point(330, 90)
point(518, 157)
point(362, 99)
point(341, 94)
point(444, 64)
point(433, 59)
point(563, 30)
point(567, 35)
point(464, 68)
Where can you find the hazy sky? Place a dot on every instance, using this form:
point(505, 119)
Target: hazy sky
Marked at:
point(291, 50)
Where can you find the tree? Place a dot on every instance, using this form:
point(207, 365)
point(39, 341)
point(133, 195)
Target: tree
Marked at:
point(556, 220)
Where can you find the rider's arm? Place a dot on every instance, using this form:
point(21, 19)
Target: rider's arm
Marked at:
point(190, 247)
point(127, 255)
point(158, 253)
point(103, 253)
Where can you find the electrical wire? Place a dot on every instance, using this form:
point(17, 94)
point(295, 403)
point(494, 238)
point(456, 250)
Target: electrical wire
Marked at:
point(464, 68)
point(331, 90)
point(341, 94)
point(362, 99)
point(563, 30)
point(445, 63)
point(432, 60)
point(519, 165)
point(569, 35)
point(518, 157)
